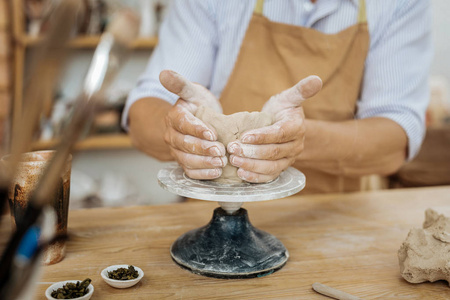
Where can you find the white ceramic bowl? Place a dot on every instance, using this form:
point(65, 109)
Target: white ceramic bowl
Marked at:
point(121, 284)
point(57, 285)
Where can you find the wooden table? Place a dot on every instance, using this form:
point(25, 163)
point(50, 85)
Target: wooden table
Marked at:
point(349, 242)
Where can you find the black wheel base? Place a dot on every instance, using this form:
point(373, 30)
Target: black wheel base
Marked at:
point(229, 247)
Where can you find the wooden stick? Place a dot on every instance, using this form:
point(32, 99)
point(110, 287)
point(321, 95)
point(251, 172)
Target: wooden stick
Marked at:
point(333, 293)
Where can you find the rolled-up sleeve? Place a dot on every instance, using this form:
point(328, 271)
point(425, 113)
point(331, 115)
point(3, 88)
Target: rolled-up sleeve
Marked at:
point(395, 83)
point(187, 45)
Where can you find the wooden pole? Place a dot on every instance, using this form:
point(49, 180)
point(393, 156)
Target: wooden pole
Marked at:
point(19, 61)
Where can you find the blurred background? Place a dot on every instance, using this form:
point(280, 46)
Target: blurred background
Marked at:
point(106, 170)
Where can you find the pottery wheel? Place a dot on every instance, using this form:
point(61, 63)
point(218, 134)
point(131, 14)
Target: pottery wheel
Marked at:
point(174, 180)
point(229, 246)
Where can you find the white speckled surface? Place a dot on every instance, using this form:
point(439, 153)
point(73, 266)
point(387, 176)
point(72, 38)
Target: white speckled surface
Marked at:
point(173, 179)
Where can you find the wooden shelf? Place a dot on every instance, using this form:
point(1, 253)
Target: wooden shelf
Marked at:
point(90, 41)
point(98, 142)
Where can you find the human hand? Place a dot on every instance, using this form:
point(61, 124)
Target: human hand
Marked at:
point(192, 143)
point(262, 154)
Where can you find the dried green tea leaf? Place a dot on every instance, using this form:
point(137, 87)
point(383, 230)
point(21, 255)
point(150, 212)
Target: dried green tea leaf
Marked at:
point(72, 290)
point(124, 274)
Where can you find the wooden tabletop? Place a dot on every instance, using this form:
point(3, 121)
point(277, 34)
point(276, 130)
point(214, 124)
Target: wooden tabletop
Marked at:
point(348, 242)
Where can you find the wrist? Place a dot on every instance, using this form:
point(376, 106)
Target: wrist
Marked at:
point(311, 132)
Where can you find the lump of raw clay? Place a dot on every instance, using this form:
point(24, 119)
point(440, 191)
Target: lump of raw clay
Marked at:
point(425, 254)
point(229, 128)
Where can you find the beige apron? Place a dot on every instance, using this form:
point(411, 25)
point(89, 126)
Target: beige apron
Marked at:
point(275, 56)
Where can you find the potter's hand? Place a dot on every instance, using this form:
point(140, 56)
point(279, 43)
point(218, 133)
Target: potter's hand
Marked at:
point(192, 143)
point(262, 154)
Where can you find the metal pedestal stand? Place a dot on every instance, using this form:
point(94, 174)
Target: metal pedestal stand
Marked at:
point(229, 246)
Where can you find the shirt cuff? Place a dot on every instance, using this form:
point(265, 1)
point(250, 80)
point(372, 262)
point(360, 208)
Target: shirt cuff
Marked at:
point(411, 123)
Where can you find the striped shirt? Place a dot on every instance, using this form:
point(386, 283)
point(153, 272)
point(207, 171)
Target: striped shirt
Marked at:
point(200, 39)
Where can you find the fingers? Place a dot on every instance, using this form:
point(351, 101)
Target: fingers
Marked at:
point(296, 95)
point(260, 170)
point(203, 174)
point(266, 151)
point(281, 132)
point(193, 161)
point(304, 89)
point(193, 145)
point(272, 150)
point(183, 121)
point(267, 167)
point(198, 166)
point(255, 177)
point(289, 128)
point(186, 90)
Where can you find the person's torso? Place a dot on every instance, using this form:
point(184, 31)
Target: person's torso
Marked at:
point(274, 56)
point(328, 16)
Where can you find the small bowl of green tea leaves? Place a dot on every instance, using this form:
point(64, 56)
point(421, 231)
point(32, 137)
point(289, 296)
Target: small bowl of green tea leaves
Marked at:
point(70, 289)
point(122, 276)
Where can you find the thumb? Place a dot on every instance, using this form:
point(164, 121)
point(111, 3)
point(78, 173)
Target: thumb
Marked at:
point(188, 91)
point(296, 95)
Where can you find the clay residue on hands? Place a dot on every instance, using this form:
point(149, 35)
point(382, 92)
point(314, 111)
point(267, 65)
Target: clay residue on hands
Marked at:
point(229, 128)
point(425, 254)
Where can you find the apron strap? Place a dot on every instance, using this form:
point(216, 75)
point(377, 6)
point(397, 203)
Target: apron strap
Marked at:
point(362, 17)
point(258, 10)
